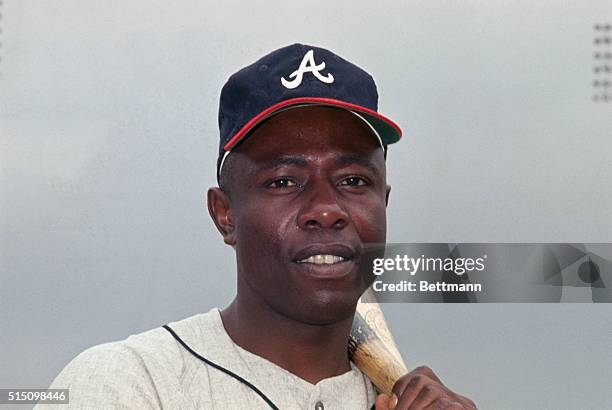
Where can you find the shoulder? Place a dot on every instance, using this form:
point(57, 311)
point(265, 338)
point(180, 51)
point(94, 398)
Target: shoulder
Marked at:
point(131, 373)
point(107, 375)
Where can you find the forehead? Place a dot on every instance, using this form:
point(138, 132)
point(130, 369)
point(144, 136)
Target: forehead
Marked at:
point(312, 132)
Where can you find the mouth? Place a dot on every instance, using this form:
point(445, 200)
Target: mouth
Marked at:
point(323, 259)
point(326, 261)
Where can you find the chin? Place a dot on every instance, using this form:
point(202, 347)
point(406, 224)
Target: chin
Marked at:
point(325, 307)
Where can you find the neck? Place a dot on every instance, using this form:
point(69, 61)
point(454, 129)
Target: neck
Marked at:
point(311, 352)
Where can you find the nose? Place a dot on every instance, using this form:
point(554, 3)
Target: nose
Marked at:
point(322, 209)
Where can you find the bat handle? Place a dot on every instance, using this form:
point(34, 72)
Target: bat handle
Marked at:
point(381, 366)
point(371, 345)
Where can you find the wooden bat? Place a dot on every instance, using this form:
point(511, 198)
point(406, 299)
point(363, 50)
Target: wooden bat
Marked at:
point(371, 345)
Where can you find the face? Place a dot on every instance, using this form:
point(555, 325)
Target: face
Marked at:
point(308, 190)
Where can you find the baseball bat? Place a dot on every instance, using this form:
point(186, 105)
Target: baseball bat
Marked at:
point(371, 345)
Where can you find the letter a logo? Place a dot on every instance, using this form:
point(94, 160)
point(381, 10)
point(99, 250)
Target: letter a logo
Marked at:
point(307, 65)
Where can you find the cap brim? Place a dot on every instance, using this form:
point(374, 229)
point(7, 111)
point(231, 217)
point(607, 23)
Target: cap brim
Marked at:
point(388, 131)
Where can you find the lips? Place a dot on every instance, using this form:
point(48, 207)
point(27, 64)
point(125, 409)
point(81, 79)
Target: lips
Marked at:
point(323, 259)
point(327, 262)
point(324, 254)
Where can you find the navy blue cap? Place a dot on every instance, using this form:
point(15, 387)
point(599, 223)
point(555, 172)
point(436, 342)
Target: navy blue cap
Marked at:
point(297, 75)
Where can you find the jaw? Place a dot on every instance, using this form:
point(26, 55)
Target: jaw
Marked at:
point(315, 295)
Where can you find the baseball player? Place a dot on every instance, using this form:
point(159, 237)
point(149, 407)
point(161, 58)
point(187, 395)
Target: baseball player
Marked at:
point(302, 187)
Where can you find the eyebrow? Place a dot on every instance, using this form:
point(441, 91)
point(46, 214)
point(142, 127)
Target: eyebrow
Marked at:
point(364, 162)
point(301, 161)
point(295, 160)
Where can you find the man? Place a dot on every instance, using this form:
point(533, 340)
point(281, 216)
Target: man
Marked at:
point(302, 188)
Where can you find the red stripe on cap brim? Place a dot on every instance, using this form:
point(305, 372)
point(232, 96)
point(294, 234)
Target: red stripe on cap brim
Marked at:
point(304, 100)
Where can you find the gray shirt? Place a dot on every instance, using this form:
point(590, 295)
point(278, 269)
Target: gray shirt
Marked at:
point(153, 370)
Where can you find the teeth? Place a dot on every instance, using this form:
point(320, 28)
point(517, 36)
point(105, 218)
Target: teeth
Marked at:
point(323, 259)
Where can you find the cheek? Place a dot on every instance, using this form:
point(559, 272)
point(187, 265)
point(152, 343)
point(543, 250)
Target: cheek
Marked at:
point(261, 252)
point(262, 229)
point(370, 221)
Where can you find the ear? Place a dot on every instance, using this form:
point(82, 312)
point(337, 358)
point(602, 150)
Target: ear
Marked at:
point(387, 195)
point(220, 210)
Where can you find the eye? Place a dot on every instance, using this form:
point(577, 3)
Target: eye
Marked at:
point(282, 183)
point(354, 181)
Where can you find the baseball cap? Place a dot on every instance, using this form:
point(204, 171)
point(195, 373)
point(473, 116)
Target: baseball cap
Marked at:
point(291, 76)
